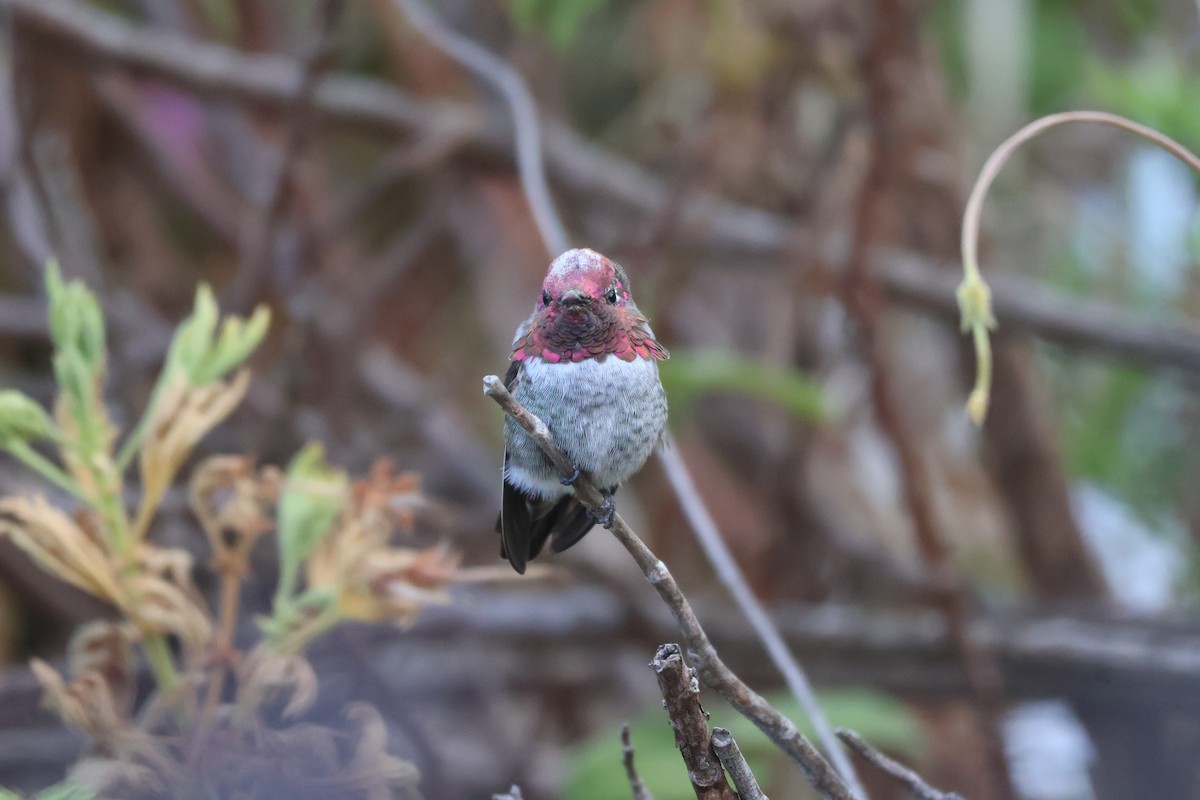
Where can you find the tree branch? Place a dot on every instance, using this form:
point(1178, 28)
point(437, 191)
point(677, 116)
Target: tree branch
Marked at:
point(259, 235)
point(893, 769)
point(764, 627)
point(636, 786)
point(707, 220)
point(537, 193)
point(735, 764)
point(712, 670)
point(681, 699)
point(519, 100)
point(862, 295)
point(1092, 326)
point(215, 70)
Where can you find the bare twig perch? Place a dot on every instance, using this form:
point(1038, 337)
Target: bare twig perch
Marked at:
point(764, 627)
point(713, 672)
point(902, 774)
point(509, 83)
point(640, 792)
point(735, 764)
point(681, 699)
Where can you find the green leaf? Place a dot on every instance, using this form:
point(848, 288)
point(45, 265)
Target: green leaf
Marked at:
point(22, 419)
point(312, 499)
point(237, 340)
point(202, 354)
point(76, 383)
point(77, 331)
point(290, 614)
point(595, 773)
point(76, 322)
point(690, 375)
point(205, 351)
point(59, 791)
point(558, 20)
point(194, 338)
point(65, 791)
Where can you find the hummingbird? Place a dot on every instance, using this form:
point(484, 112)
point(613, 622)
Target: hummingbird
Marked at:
point(585, 363)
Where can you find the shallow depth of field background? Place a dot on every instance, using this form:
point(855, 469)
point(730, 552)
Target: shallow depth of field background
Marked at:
point(839, 138)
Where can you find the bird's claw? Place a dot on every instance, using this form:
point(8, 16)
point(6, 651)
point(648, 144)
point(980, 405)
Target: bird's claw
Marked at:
point(606, 512)
point(570, 479)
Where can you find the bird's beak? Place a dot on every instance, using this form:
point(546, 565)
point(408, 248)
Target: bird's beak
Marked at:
point(573, 298)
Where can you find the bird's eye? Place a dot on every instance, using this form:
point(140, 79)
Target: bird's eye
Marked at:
point(611, 296)
point(545, 298)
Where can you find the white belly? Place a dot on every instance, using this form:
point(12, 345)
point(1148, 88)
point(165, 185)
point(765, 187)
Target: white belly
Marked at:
point(608, 416)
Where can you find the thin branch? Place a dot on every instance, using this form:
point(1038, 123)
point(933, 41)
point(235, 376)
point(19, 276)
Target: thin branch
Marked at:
point(636, 786)
point(991, 168)
point(731, 576)
point(974, 295)
point(893, 769)
point(1122, 663)
point(27, 220)
point(519, 100)
point(735, 764)
point(260, 233)
point(681, 699)
point(712, 670)
point(863, 298)
point(549, 222)
point(1088, 325)
point(761, 237)
point(219, 71)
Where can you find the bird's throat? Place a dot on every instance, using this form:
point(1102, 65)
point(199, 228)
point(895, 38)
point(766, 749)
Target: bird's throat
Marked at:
point(573, 337)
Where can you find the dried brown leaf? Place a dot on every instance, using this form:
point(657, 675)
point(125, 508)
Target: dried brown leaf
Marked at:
point(266, 674)
point(60, 546)
point(87, 703)
point(232, 500)
point(372, 769)
point(182, 416)
point(106, 649)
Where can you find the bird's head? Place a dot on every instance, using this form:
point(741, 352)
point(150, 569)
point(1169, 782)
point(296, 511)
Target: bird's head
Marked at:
point(586, 310)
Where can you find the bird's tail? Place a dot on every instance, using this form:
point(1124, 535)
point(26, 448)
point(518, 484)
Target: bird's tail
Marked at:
point(527, 523)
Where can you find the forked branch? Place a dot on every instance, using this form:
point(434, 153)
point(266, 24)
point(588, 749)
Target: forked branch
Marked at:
point(681, 698)
point(713, 672)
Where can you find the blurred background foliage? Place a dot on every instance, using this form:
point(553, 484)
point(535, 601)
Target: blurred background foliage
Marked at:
point(402, 258)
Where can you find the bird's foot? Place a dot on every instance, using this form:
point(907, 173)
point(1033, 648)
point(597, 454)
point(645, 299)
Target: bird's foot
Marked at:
point(606, 512)
point(567, 480)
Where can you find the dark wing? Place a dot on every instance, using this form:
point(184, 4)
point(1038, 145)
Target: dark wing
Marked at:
point(573, 522)
point(515, 507)
point(514, 524)
point(510, 377)
point(526, 523)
